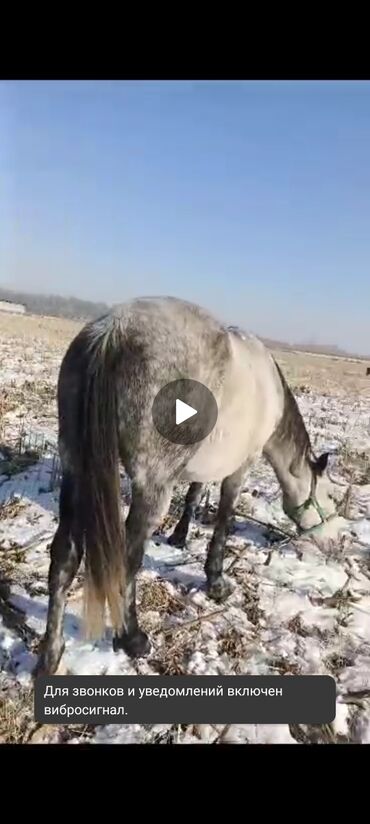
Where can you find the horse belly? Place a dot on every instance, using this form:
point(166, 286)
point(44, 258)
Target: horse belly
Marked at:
point(235, 439)
point(215, 460)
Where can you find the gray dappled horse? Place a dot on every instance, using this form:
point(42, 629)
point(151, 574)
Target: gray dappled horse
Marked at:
point(108, 381)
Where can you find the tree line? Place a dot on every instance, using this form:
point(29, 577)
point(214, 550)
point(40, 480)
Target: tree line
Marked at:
point(55, 305)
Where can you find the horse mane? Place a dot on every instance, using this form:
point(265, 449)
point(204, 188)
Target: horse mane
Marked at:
point(291, 428)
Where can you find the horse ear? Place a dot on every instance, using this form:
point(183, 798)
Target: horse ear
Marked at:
point(321, 463)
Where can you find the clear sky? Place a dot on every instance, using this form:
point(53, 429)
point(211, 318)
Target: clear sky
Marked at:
point(251, 198)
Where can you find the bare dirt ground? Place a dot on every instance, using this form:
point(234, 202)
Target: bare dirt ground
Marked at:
point(295, 607)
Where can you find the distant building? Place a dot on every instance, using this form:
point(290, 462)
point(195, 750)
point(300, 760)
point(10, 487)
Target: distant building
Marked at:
point(9, 306)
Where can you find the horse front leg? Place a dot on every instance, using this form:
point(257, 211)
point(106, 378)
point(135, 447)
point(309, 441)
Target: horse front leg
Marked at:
point(217, 587)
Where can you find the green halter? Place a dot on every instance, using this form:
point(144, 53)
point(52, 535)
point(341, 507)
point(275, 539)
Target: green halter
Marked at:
point(311, 501)
point(295, 511)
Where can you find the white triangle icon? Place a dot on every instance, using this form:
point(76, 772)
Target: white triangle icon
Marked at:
point(184, 411)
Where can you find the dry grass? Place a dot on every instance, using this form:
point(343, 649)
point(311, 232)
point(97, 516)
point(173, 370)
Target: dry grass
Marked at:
point(284, 667)
point(316, 734)
point(16, 716)
point(18, 726)
point(251, 606)
point(354, 465)
point(233, 643)
point(324, 374)
point(157, 596)
point(11, 508)
point(56, 332)
point(337, 662)
point(296, 627)
point(17, 461)
point(173, 657)
point(32, 395)
point(5, 407)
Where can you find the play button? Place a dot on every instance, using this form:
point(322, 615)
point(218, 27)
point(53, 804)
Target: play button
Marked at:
point(184, 411)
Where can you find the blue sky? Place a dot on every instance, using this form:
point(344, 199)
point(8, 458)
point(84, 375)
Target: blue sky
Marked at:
point(251, 198)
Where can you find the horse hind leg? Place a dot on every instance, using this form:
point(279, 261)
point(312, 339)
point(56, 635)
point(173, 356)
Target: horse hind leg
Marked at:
point(180, 533)
point(148, 504)
point(217, 587)
point(66, 553)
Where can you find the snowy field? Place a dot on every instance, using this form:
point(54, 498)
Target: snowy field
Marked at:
point(297, 607)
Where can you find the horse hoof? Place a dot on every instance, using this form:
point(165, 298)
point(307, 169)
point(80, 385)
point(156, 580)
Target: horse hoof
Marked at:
point(48, 663)
point(41, 668)
point(135, 646)
point(219, 590)
point(178, 541)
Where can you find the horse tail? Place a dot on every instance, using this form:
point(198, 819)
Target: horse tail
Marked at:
point(99, 481)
